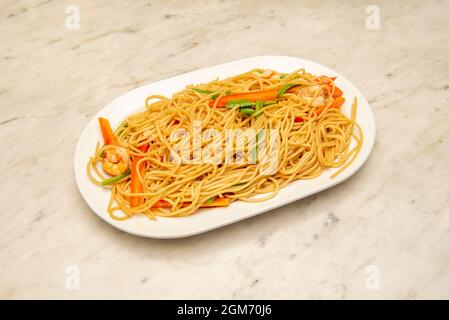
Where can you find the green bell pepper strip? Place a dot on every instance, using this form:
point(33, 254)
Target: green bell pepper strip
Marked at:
point(247, 111)
point(240, 104)
point(285, 88)
point(115, 179)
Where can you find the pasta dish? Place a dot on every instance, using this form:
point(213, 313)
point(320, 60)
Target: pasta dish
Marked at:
point(241, 138)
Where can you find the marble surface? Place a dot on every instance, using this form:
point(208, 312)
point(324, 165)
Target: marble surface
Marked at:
point(382, 234)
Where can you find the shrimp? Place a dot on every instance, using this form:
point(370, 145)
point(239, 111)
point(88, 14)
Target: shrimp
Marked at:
point(313, 95)
point(116, 161)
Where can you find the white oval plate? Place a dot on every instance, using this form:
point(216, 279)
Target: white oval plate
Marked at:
point(211, 218)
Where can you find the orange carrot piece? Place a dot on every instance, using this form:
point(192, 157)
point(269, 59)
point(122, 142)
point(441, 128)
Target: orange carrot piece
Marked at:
point(218, 202)
point(338, 101)
point(136, 184)
point(106, 131)
point(162, 204)
point(264, 95)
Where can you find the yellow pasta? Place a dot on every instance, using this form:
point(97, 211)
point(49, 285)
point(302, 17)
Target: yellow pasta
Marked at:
point(183, 153)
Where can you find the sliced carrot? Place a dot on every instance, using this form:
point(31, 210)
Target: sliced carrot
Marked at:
point(136, 184)
point(106, 131)
point(338, 101)
point(264, 95)
point(162, 204)
point(218, 202)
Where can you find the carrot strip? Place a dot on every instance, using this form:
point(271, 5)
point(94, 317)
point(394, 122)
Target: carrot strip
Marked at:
point(106, 131)
point(218, 202)
point(162, 204)
point(264, 95)
point(136, 184)
point(338, 101)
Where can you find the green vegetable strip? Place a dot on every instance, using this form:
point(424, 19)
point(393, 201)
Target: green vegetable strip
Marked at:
point(246, 103)
point(240, 103)
point(267, 103)
point(115, 179)
point(210, 200)
point(247, 111)
point(255, 150)
point(202, 91)
point(259, 107)
point(285, 88)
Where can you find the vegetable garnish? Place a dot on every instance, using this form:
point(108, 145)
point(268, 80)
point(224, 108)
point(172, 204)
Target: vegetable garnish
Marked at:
point(210, 200)
point(136, 184)
point(259, 108)
point(285, 88)
point(218, 202)
point(202, 91)
point(115, 179)
point(247, 103)
point(253, 96)
point(247, 111)
point(214, 95)
point(242, 103)
point(338, 101)
point(162, 204)
point(106, 131)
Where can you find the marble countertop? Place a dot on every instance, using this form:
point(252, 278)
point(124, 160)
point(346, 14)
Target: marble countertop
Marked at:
point(382, 234)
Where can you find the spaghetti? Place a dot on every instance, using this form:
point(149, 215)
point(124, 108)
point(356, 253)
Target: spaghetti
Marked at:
point(141, 164)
